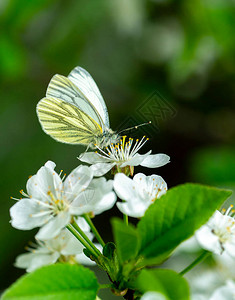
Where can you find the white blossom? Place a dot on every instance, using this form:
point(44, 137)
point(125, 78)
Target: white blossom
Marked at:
point(122, 155)
point(138, 193)
point(62, 248)
point(226, 292)
point(51, 202)
point(97, 198)
point(218, 235)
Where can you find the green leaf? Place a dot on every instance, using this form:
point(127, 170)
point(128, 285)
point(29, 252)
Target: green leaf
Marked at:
point(109, 249)
point(168, 282)
point(55, 282)
point(126, 239)
point(175, 216)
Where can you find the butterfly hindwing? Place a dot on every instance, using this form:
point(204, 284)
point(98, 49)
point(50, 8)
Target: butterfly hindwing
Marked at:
point(66, 123)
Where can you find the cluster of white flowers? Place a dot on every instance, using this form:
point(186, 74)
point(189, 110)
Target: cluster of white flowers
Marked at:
point(218, 235)
point(52, 202)
point(62, 248)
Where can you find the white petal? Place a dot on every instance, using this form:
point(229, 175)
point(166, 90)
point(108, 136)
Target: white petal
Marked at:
point(82, 223)
point(91, 158)
point(136, 160)
point(230, 248)
point(73, 246)
point(208, 240)
point(101, 169)
point(54, 226)
point(155, 160)
point(45, 180)
point(28, 213)
point(124, 187)
point(90, 200)
point(226, 292)
point(50, 164)
point(133, 208)
point(78, 180)
point(32, 261)
point(105, 203)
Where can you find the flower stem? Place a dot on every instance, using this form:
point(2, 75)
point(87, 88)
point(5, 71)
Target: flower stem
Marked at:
point(75, 233)
point(125, 218)
point(94, 230)
point(79, 230)
point(200, 258)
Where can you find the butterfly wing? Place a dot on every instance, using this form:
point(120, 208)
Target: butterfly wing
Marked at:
point(87, 86)
point(66, 123)
point(61, 87)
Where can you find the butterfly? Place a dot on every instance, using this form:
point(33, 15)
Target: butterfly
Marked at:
point(74, 111)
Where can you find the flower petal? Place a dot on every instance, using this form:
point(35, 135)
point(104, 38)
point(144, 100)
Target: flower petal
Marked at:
point(91, 200)
point(105, 203)
point(28, 213)
point(77, 180)
point(101, 169)
point(155, 160)
point(54, 226)
point(33, 261)
point(133, 208)
point(92, 158)
point(208, 240)
point(45, 180)
point(136, 160)
point(72, 245)
point(124, 187)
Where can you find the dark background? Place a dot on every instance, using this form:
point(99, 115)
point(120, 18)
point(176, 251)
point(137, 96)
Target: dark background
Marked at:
point(171, 62)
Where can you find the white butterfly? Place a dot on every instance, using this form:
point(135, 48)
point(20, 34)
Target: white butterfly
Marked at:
point(74, 111)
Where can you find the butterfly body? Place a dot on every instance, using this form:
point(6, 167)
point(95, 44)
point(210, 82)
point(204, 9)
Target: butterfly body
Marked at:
point(106, 138)
point(74, 111)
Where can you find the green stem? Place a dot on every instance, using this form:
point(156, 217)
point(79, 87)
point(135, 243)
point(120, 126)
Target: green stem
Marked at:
point(94, 230)
point(75, 233)
point(200, 258)
point(79, 230)
point(125, 218)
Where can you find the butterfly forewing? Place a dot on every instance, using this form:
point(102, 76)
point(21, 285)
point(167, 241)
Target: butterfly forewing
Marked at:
point(87, 86)
point(61, 87)
point(66, 123)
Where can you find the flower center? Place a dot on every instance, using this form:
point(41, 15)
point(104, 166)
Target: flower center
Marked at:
point(57, 205)
point(124, 150)
point(227, 227)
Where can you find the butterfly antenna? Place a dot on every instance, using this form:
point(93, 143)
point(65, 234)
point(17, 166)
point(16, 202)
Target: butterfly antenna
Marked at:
point(135, 127)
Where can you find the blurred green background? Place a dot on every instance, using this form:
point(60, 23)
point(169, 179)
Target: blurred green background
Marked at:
point(182, 49)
